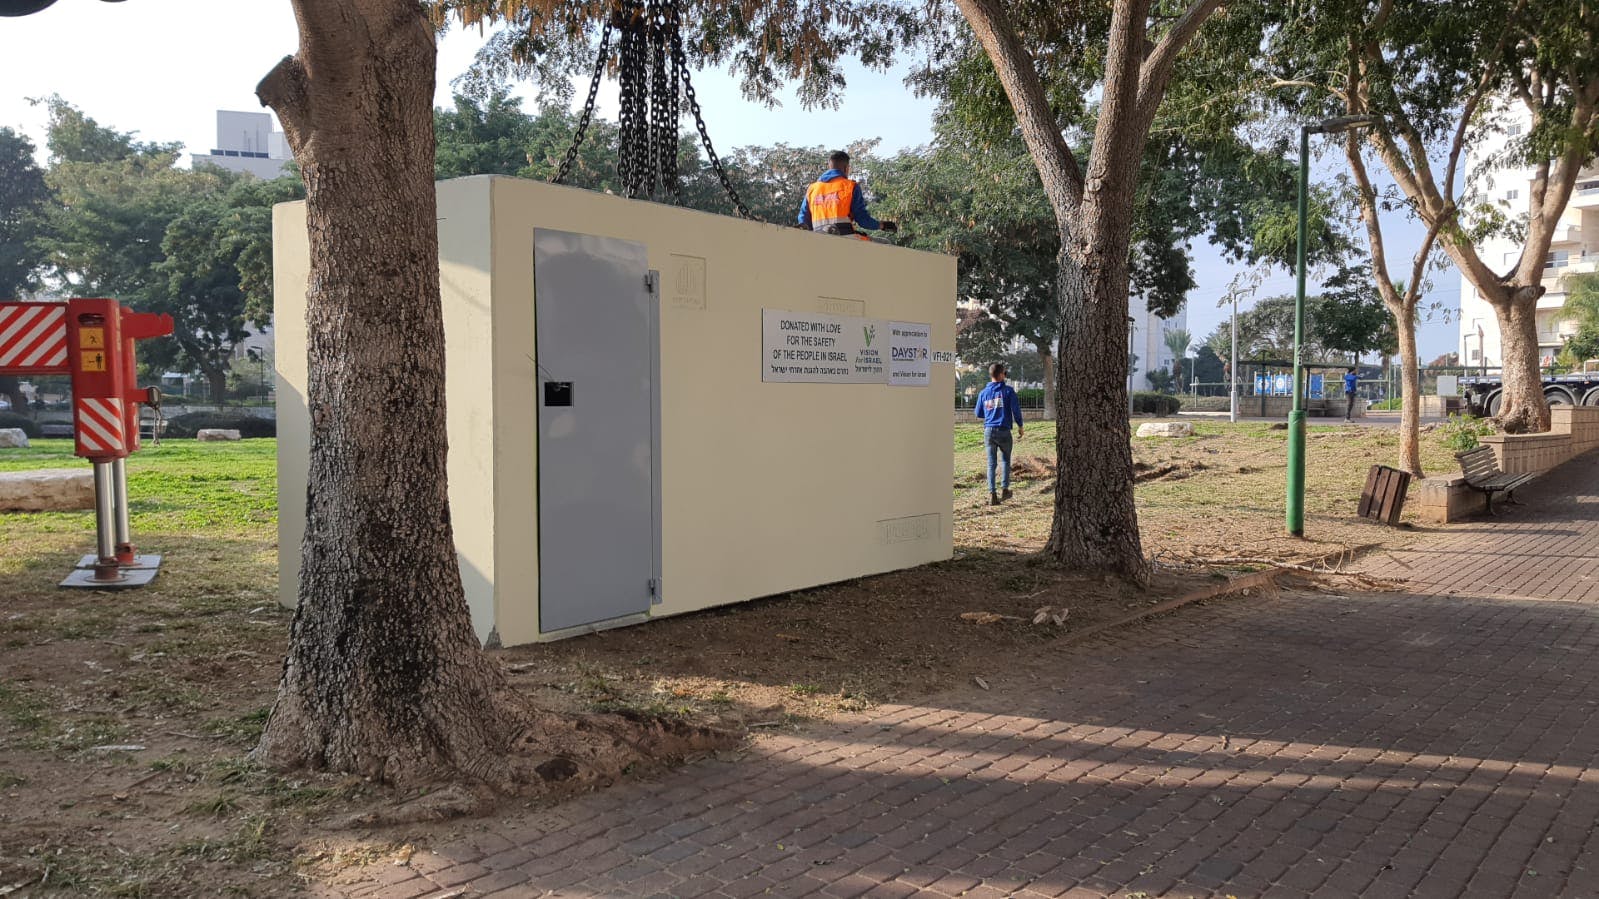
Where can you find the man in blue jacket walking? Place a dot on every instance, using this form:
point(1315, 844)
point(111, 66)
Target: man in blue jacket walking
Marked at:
point(998, 407)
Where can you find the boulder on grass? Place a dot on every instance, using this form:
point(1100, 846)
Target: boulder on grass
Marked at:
point(1166, 429)
point(13, 438)
point(216, 434)
point(47, 490)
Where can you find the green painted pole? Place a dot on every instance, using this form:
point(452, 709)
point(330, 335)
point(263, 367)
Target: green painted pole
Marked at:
point(1296, 418)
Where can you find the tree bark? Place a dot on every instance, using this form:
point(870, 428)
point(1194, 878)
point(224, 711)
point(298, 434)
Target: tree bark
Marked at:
point(1410, 391)
point(1522, 406)
point(1095, 523)
point(384, 677)
point(217, 383)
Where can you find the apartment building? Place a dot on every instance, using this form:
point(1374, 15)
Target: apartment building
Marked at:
point(1575, 250)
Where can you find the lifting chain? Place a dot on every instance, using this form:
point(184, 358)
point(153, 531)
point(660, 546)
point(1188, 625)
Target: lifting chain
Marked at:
point(680, 62)
point(588, 107)
point(651, 64)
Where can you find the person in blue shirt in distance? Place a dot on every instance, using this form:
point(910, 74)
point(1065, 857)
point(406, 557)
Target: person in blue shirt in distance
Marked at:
point(1351, 382)
point(998, 407)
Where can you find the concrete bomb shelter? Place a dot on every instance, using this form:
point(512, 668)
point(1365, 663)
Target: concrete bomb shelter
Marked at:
point(654, 410)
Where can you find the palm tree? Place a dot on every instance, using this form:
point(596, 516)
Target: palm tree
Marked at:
point(1178, 341)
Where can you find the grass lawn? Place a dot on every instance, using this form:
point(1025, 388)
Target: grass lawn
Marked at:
point(1218, 494)
point(185, 669)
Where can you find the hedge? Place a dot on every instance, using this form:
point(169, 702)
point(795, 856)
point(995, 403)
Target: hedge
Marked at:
point(17, 420)
point(1146, 402)
point(188, 424)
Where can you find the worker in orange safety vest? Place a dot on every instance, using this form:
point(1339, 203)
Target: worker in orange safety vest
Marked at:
point(835, 205)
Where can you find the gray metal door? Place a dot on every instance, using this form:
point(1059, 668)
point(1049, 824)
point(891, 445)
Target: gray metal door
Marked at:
point(594, 317)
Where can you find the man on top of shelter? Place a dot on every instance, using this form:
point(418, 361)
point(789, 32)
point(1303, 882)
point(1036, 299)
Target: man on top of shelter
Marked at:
point(835, 205)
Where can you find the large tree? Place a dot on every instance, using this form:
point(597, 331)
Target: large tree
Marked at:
point(1123, 54)
point(125, 221)
point(216, 277)
point(1440, 78)
point(384, 676)
point(22, 197)
point(23, 194)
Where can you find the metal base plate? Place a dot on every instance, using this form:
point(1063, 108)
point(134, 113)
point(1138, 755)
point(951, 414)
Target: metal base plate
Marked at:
point(139, 562)
point(83, 578)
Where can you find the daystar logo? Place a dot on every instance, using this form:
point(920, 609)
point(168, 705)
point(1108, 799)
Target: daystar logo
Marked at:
point(871, 333)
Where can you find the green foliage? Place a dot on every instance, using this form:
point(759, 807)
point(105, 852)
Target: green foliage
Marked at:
point(1582, 307)
point(22, 198)
point(487, 133)
point(1209, 370)
point(127, 222)
point(1460, 432)
point(982, 203)
point(1355, 321)
point(1148, 403)
point(1391, 404)
point(17, 420)
point(74, 137)
point(188, 424)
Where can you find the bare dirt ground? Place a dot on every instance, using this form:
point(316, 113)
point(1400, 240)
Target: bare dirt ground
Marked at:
point(126, 718)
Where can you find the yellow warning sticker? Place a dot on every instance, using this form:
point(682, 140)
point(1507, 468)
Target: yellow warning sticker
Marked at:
point(93, 362)
point(91, 338)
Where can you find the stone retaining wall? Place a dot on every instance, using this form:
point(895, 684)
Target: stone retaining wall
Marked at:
point(1573, 431)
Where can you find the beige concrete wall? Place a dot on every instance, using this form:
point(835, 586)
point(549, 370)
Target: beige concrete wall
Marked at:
point(290, 274)
point(766, 487)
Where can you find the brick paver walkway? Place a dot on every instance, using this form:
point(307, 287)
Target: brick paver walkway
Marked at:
point(1547, 547)
point(1382, 745)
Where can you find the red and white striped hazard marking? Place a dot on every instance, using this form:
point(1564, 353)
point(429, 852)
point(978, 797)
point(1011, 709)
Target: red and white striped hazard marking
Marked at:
point(100, 426)
point(33, 335)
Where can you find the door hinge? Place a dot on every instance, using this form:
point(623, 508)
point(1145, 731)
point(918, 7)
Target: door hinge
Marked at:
point(652, 281)
point(655, 591)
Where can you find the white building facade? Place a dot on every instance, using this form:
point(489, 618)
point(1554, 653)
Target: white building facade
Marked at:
point(1148, 340)
point(1574, 250)
point(247, 142)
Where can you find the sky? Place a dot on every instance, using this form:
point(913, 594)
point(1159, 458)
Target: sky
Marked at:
point(163, 67)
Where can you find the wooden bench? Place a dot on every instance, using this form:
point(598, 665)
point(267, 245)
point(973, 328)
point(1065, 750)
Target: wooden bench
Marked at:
point(1482, 473)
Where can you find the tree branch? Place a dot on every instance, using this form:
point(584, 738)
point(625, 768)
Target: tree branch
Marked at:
point(1157, 68)
point(1368, 215)
point(1063, 179)
point(287, 90)
point(1457, 146)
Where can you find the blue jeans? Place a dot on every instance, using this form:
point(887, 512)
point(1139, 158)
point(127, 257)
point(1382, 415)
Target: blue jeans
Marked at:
point(997, 441)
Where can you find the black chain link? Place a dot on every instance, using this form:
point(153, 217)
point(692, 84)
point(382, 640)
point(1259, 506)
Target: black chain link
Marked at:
point(651, 63)
point(680, 63)
point(588, 107)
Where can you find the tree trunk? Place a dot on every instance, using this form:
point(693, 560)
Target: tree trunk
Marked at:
point(1522, 407)
point(1095, 524)
point(11, 389)
point(384, 676)
point(1046, 355)
point(1410, 391)
point(216, 380)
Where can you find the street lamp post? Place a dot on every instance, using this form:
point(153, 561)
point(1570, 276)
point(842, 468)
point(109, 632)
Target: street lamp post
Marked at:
point(1232, 370)
point(1130, 328)
point(1295, 512)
